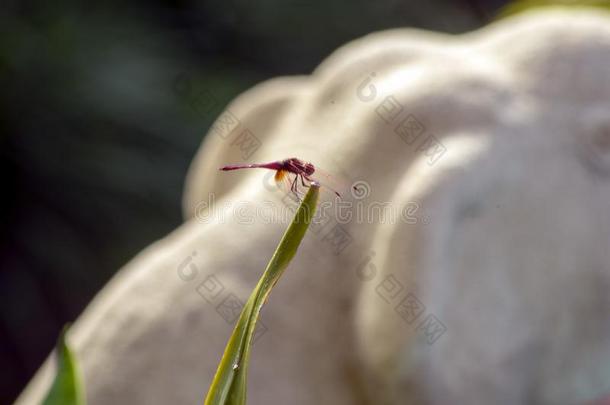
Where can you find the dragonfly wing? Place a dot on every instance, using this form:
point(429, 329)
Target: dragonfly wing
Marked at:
point(286, 182)
point(335, 184)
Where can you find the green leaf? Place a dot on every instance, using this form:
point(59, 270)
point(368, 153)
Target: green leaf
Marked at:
point(67, 388)
point(230, 381)
point(519, 6)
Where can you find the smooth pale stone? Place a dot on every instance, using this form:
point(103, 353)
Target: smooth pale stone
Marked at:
point(494, 149)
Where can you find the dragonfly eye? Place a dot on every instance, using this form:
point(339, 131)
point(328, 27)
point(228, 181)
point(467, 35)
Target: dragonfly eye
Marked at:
point(309, 169)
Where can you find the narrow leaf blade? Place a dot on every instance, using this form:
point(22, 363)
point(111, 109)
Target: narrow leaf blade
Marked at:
point(67, 388)
point(229, 385)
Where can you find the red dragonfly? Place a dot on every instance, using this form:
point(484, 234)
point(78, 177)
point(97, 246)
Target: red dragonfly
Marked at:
point(302, 171)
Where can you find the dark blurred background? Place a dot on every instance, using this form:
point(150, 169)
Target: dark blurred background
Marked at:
point(96, 137)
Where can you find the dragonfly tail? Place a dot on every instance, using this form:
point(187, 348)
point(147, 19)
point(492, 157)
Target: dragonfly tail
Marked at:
point(271, 165)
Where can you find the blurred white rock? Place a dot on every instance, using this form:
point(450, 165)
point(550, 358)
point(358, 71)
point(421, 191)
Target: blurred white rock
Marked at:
point(488, 283)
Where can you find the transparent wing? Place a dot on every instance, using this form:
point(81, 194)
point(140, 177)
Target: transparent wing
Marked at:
point(286, 183)
point(332, 183)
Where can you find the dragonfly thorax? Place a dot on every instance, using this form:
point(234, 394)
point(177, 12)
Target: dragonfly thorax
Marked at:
point(298, 166)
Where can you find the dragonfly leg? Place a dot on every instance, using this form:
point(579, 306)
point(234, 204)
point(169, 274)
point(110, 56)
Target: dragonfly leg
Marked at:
point(293, 186)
